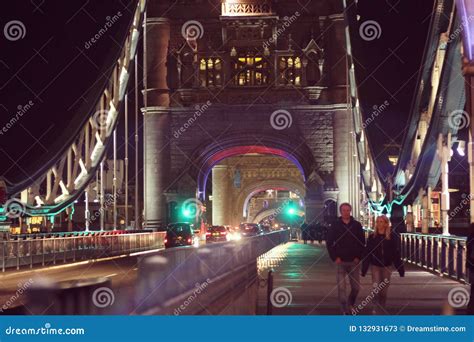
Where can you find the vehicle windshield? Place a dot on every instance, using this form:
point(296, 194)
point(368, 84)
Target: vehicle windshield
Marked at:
point(249, 227)
point(180, 228)
point(217, 229)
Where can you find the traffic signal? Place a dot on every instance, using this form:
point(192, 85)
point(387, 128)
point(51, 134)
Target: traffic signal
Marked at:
point(191, 209)
point(291, 209)
point(187, 212)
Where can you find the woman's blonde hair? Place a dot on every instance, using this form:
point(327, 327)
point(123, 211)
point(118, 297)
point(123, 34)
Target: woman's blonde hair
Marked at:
point(388, 229)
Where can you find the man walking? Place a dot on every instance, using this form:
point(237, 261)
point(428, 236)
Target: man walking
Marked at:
point(345, 244)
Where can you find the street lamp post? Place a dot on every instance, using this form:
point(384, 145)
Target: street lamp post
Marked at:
point(465, 10)
point(468, 71)
point(444, 154)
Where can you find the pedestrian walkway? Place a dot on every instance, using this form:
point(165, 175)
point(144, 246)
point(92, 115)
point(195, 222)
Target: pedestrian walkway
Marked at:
point(309, 276)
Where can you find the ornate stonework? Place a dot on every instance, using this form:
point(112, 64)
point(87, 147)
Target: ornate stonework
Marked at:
point(260, 77)
point(246, 7)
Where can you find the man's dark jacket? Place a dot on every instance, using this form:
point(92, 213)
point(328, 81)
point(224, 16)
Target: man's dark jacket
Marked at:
point(346, 241)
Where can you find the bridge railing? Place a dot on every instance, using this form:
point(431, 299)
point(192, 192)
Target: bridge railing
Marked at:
point(47, 251)
point(445, 255)
point(170, 280)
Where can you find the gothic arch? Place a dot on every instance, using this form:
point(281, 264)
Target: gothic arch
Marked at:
point(257, 186)
point(211, 153)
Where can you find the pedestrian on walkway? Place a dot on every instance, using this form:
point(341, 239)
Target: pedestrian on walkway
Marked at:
point(345, 244)
point(382, 252)
point(318, 232)
point(305, 232)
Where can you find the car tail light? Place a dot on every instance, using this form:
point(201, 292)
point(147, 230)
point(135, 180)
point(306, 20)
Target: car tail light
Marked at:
point(166, 240)
point(189, 240)
point(208, 234)
point(223, 233)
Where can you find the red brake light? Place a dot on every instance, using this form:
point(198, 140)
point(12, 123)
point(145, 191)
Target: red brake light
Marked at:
point(189, 240)
point(208, 233)
point(223, 233)
point(166, 240)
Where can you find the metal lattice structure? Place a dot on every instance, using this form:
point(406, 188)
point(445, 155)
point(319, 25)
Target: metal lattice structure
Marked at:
point(74, 170)
point(438, 86)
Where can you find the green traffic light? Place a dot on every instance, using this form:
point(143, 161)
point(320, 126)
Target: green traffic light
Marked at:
point(187, 212)
point(291, 211)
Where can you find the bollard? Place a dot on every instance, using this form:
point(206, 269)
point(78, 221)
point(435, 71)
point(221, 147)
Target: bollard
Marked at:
point(4, 254)
point(30, 247)
point(76, 297)
point(153, 272)
point(269, 292)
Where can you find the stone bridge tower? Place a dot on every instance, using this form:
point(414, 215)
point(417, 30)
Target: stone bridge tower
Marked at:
point(245, 78)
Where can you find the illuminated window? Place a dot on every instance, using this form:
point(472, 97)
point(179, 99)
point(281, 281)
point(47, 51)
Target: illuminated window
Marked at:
point(210, 72)
point(289, 70)
point(250, 71)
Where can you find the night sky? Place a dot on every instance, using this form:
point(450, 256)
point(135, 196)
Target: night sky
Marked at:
point(387, 68)
point(54, 67)
point(51, 62)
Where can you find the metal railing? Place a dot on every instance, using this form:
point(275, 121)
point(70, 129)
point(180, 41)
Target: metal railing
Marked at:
point(46, 251)
point(445, 255)
point(167, 278)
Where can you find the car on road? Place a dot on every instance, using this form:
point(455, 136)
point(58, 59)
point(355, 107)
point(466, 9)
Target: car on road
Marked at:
point(235, 234)
point(180, 234)
point(218, 234)
point(250, 229)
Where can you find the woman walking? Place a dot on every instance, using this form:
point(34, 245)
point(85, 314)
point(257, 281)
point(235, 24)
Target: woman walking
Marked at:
point(381, 253)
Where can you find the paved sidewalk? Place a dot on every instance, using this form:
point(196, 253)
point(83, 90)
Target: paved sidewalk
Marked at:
point(310, 276)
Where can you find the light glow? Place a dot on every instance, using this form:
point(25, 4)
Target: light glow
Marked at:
point(465, 10)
